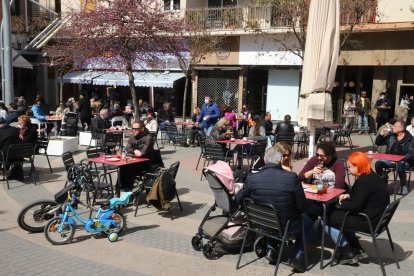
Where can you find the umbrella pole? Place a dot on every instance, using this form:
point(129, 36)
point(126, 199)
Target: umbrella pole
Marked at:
point(312, 133)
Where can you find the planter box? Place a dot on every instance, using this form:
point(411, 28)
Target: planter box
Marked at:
point(85, 139)
point(59, 146)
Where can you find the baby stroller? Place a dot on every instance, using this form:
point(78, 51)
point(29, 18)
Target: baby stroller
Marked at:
point(70, 125)
point(224, 231)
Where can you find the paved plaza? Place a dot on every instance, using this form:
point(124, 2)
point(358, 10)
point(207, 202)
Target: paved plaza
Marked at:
point(153, 244)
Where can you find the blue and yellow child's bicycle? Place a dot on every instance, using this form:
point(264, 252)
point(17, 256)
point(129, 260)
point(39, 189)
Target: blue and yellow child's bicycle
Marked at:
point(61, 229)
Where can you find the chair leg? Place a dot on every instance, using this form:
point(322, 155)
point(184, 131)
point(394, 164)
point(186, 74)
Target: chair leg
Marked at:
point(5, 177)
point(392, 247)
point(242, 249)
point(169, 211)
point(279, 257)
point(374, 241)
point(50, 167)
point(137, 203)
point(198, 162)
point(178, 199)
point(305, 245)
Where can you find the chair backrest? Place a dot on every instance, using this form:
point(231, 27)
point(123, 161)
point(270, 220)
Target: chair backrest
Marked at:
point(171, 129)
point(173, 169)
point(288, 138)
point(68, 160)
point(117, 121)
point(113, 137)
point(263, 216)
point(220, 192)
point(19, 151)
point(214, 150)
point(387, 216)
point(93, 152)
point(258, 148)
point(42, 142)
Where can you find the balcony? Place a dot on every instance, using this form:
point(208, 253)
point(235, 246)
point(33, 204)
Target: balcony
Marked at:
point(257, 18)
point(236, 18)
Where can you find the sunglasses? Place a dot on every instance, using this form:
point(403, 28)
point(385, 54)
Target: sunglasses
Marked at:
point(286, 155)
point(136, 129)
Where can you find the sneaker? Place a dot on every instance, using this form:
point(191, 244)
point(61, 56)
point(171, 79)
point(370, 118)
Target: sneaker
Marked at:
point(360, 132)
point(171, 143)
point(345, 256)
point(271, 256)
point(404, 190)
point(298, 264)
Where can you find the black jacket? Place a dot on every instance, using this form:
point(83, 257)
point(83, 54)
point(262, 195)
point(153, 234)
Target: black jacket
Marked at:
point(403, 147)
point(12, 116)
point(8, 136)
point(144, 142)
point(278, 187)
point(164, 115)
point(98, 125)
point(84, 108)
point(284, 129)
point(30, 136)
point(268, 126)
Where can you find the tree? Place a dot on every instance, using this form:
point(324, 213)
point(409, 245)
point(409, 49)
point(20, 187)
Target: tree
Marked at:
point(190, 51)
point(295, 14)
point(124, 34)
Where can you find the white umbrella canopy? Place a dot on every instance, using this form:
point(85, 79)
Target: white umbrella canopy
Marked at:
point(319, 65)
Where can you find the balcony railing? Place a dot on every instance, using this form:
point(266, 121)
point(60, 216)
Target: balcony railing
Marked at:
point(256, 17)
point(233, 18)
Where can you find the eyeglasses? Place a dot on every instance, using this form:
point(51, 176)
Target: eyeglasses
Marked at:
point(319, 155)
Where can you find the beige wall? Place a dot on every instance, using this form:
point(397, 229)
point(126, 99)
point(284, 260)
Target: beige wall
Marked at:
point(226, 55)
point(395, 11)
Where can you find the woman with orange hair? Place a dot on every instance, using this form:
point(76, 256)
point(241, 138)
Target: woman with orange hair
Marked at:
point(368, 195)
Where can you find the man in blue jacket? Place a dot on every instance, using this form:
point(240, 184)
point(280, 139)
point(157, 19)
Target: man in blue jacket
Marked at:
point(273, 185)
point(209, 115)
point(39, 114)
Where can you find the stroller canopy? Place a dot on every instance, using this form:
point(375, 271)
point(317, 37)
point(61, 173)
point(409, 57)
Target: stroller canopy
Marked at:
point(224, 173)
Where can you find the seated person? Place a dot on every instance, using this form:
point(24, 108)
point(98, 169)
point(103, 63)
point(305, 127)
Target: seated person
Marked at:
point(28, 132)
point(151, 123)
point(286, 161)
point(388, 125)
point(409, 128)
point(117, 111)
point(325, 166)
point(268, 126)
point(140, 144)
point(194, 130)
point(13, 114)
point(164, 118)
point(368, 195)
point(9, 136)
point(100, 122)
point(273, 185)
point(399, 142)
point(39, 114)
point(220, 132)
point(229, 114)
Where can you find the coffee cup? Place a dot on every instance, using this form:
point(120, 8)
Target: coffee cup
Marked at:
point(244, 138)
point(370, 152)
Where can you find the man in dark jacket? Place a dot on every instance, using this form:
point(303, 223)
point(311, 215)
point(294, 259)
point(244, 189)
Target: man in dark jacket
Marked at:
point(9, 136)
point(140, 144)
point(100, 123)
point(398, 142)
point(209, 115)
point(273, 185)
point(13, 114)
point(85, 112)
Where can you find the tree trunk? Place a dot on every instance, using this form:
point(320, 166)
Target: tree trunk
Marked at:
point(187, 75)
point(133, 93)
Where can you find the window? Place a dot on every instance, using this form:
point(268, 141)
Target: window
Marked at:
point(171, 5)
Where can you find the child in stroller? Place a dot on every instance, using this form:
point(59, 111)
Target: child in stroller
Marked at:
point(224, 231)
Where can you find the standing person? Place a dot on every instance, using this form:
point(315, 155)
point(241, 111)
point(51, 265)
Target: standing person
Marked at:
point(369, 196)
point(164, 118)
point(246, 115)
point(273, 185)
point(410, 109)
point(363, 107)
point(383, 105)
point(349, 112)
point(85, 111)
point(210, 113)
point(399, 142)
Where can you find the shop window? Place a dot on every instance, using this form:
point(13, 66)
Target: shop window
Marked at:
point(171, 5)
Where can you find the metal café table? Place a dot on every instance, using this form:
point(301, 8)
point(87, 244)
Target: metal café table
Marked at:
point(115, 161)
point(54, 119)
point(324, 198)
point(390, 157)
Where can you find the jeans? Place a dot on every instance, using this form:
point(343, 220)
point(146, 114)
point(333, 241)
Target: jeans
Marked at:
point(296, 229)
point(349, 122)
point(162, 126)
point(334, 234)
point(402, 166)
point(363, 123)
point(207, 130)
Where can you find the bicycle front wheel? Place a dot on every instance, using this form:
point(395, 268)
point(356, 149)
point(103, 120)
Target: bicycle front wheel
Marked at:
point(55, 237)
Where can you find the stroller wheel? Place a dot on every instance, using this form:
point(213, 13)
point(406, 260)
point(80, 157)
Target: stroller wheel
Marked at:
point(197, 243)
point(210, 253)
point(260, 245)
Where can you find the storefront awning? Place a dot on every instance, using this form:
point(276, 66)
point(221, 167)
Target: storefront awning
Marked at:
point(83, 77)
point(143, 79)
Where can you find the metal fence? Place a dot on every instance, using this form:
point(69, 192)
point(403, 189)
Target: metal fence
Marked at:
point(222, 85)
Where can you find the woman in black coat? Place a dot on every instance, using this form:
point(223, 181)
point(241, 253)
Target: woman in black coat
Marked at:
point(368, 195)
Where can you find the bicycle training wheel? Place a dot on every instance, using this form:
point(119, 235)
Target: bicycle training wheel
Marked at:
point(53, 235)
point(118, 217)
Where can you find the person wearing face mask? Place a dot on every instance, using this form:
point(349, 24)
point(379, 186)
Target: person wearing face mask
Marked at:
point(210, 113)
point(383, 105)
point(140, 144)
point(363, 107)
point(150, 123)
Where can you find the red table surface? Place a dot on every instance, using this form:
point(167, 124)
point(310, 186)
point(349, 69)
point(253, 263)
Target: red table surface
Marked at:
point(117, 163)
point(237, 142)
point(383, 156)
point(330, 194)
